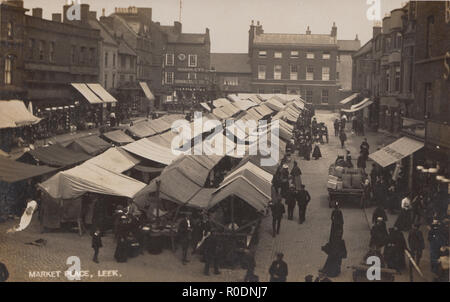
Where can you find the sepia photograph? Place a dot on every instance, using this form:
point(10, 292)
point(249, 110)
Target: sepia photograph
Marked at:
point(207, 142)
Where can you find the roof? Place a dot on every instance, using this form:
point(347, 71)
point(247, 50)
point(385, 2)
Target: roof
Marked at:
point(152, 151)
point(57, 156)
point(88, 177)
point(349, 45)
point(92, 145)
point(115, 160)
point(294, 39)
point(182, 38)
point(141, 130)
point(14, 114)
point(106, 36)
point(124, 48)
point(13, 171)
point(118, 137)
point(364, 49)
point(231, 62)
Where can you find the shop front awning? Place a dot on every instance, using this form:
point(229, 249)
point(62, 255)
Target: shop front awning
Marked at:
point(14, 114)
point(361, 105)
point(88, 94)
point(102, 93)
point(147, 91)
point(396, 151)
point(349, 99)
point(12, 171)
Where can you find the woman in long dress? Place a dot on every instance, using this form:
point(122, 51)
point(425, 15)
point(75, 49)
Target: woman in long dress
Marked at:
point(296, 176)
point(121, 254)
point(336, 251)
point(316, 153)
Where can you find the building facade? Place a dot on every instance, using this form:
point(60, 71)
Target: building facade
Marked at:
point(186, 74)
point(12, 35)
point(304, 64)
point(233, 72)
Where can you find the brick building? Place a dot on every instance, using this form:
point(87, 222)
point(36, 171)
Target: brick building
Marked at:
point(304, 64)
point(233, 72)
point(186, 64)
point(12, 34)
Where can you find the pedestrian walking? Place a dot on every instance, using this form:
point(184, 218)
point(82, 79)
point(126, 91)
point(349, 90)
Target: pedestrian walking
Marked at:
point(404, 220)
point(284, 180)
point(379, 212)
point(316, 153)
point(336, 125)
point(378, 234)
point(336, 251)
point(277, 214)
point(291, 201)
point(436, 240)
point(361, 162)
point(278, 270)
point(211, 252)
point(303, 199)
point(296, 176)
point(96, 244)
point(416, 243)
point(364, 149)
point(337, 222)
point(342, 138)
point(121, 253)
point(184, 237)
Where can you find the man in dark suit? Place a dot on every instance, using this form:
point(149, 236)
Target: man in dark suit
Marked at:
point(278, 270)
point(211, 252)
point(303, 199)
point(277, 213)
point(184, 234)
point(96, 244)
point(290, 201)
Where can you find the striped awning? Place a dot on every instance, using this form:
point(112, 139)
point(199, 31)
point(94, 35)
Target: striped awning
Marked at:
point(348, 99)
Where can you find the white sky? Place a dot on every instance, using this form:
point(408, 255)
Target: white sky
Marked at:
point(229, 20)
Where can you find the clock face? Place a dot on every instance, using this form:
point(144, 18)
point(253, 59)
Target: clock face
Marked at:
point(181, 57)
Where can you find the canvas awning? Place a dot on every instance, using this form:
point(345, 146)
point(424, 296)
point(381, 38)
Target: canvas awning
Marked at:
point(14, 114)
point(12, 171)
point(92, 145)
point(102, 93)
point(206, 106)
point(263, 110)
point(244, 104)
point(220, 114)
point(244, 189)
point(56, 156)
point(90, 96)
point(115, 160)
point(349, 99)
point(141, 130)
point(159, 125)
point(201, 199)
point(394, 152)
point(274, 104)
point(118, 137)
point(88, 177)
point(152, 151)
point(147, 91)
point(361, 105)
point(221, 102)
point(252, 168)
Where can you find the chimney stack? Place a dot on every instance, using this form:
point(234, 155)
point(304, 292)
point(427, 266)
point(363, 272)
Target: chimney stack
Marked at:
point(37, 12)
point(56, 18)
point(92, 15)
point(177, 26)
point(376, 31)
point(356, 38)
point(103, 12)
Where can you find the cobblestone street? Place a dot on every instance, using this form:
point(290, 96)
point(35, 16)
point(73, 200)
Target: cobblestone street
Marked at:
point(301, 244)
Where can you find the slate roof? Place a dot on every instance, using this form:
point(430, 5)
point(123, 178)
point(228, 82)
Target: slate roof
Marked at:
point(231, 62)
